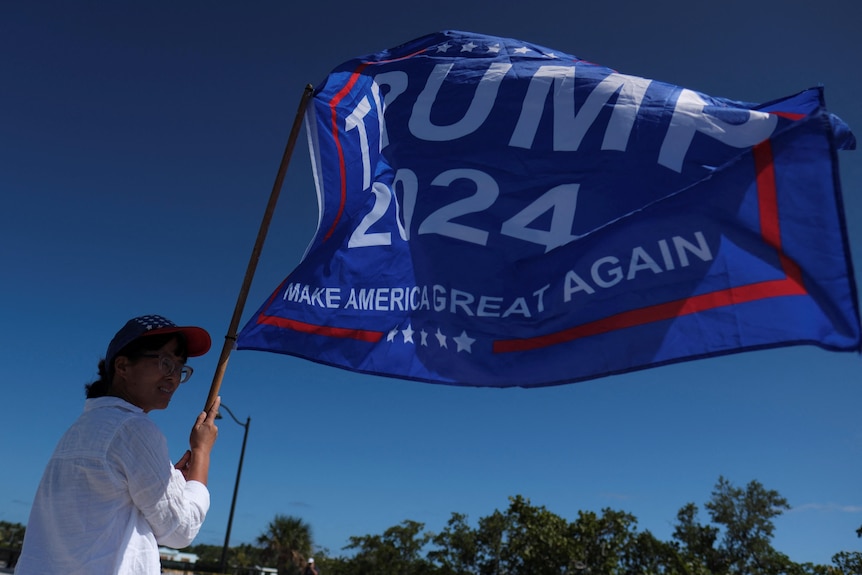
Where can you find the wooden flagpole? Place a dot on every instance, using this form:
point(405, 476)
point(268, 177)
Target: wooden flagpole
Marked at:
point(231, 336)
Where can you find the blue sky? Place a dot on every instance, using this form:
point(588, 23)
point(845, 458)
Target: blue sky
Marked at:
point(138, 146)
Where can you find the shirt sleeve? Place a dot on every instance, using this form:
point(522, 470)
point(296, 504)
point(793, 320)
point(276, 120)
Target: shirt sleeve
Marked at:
point(174, 508)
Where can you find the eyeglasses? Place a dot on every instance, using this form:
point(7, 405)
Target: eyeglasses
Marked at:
point(170, 367)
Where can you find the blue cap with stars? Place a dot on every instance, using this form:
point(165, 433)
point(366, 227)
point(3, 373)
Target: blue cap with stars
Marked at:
point(197, 339)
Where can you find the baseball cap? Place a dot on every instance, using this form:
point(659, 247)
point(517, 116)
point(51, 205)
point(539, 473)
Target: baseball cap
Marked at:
point(198, 341)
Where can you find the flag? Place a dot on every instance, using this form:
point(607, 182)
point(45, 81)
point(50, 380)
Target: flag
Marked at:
point(496, 213)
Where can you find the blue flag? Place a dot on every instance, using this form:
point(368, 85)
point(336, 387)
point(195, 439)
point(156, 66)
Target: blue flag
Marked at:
point(497, 213)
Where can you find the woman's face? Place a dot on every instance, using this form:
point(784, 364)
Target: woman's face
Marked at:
point(141, 381)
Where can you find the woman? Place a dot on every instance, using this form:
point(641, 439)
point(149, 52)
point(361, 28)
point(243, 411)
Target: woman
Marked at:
point(110, 495)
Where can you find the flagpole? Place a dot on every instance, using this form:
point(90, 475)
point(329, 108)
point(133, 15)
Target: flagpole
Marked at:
point(231, 336)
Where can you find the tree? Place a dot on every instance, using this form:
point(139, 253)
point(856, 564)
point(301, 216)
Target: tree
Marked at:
point(653, 556)
point(848, 563)
point(240, 556)
point(456, 549)
point(11, 535)
point(747, 515)
point(396, 552)
point(529, 539)
point(208, 555)
point(538, 541)
point(490, 544)
point(742, 545)
point(698, 554)
point(245, 555)
point(606, 543)
point(287, 543)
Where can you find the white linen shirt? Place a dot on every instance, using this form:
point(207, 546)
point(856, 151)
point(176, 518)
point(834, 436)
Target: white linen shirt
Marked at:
point(109, 497)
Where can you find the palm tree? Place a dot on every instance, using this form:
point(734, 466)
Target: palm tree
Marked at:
point(287, 542)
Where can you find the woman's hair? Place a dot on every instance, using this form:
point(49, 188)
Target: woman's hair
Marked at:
point(133, 351)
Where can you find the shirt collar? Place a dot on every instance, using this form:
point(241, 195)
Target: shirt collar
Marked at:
point(110, 401)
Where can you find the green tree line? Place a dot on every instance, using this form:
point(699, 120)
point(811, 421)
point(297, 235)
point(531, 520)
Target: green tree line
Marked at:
point(528, 539)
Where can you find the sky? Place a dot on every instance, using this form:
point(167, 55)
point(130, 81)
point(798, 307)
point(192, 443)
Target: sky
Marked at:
point(139, 143)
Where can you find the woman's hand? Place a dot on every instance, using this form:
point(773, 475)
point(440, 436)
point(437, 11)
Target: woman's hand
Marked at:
point(196, 461)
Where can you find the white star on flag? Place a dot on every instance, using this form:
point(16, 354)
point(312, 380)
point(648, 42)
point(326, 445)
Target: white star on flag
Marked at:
point(441, 339)
point(464, 342)
point(408, 334)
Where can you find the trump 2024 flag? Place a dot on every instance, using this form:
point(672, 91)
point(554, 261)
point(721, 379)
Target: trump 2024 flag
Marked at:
point(497, 213)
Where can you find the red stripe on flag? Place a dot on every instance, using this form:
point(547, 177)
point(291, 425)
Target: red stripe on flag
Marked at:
point(309, 328)
point(767, 198)
point(789, 115)
point(333, 108)
point(665, 311)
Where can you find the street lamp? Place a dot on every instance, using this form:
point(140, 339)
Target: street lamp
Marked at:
point(236, 485)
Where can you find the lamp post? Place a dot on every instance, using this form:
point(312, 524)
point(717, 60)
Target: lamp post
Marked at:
point(236, 485)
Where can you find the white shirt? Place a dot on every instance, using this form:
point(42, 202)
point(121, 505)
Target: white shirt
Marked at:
point(109, 497)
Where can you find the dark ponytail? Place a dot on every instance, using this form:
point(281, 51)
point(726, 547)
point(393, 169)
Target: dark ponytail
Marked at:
point(99, 388)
